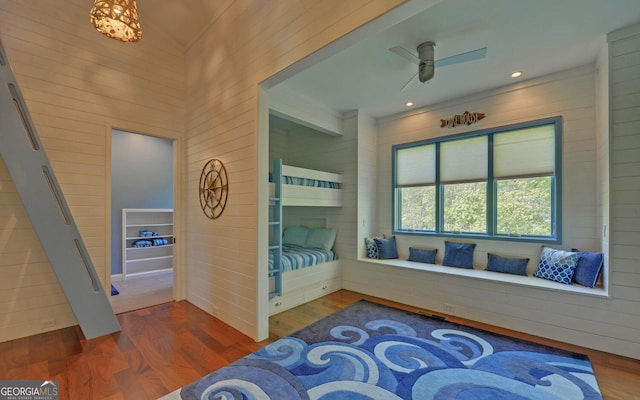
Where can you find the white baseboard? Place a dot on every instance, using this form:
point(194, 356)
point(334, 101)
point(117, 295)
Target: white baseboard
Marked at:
point(116, 277)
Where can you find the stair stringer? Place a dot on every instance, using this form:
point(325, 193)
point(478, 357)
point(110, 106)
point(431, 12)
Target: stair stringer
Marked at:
point(35, 181)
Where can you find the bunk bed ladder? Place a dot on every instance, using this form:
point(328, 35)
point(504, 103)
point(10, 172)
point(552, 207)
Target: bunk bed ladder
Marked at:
point(42, 198)
point(275, 223)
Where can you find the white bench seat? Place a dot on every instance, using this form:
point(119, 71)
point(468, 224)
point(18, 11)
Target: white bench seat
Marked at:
point(511, 279)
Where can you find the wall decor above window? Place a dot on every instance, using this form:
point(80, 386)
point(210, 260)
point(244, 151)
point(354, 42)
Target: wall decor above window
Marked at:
point(213, 188)
point(460, 119)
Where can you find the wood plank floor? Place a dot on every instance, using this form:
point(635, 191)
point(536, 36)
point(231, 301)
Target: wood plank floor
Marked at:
point(164, 347)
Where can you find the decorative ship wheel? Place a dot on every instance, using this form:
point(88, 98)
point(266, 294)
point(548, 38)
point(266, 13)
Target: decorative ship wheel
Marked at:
point(213, 188)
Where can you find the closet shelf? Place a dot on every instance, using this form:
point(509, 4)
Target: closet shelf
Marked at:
point(146, 224)
point(149, 247)
point(151, 259)
point(148, 237)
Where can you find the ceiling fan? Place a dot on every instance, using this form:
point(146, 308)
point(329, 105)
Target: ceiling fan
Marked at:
point(427, 64)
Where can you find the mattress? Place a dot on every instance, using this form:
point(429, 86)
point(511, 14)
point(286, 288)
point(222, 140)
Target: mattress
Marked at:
point(294, 257)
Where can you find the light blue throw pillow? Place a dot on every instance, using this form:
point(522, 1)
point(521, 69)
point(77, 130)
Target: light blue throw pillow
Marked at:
point(423, 256)
point(557, 265)
point(458, 254)
point(295, 236)
point(321, 238)
point(516, 266)
point(386, 248)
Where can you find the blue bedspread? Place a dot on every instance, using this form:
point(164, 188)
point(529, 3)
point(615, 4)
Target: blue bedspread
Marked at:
point(294, 257)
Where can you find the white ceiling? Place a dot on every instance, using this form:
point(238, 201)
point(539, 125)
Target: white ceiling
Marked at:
point(184, 20)
point(537, 37)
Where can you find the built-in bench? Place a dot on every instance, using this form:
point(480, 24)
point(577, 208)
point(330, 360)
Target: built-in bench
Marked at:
point(512, 279)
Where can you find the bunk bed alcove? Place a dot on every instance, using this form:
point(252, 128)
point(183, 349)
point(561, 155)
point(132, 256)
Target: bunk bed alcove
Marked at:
point(302, 264)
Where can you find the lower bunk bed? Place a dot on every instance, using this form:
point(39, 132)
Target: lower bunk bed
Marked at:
point(307, 272)
point(296, 257)
point(302, 285)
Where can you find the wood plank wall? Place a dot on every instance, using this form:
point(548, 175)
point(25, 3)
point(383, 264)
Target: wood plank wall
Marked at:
point(570, 94)
point(250, 42)
point(77, 85)
point(624, 55)
point(315, 150)
point(367, 221)
point(601, 323)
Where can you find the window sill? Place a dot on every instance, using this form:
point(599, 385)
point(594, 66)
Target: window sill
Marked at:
point(479, 236)
point(529, 281)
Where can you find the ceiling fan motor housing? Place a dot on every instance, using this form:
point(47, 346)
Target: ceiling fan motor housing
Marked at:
point(426, 68)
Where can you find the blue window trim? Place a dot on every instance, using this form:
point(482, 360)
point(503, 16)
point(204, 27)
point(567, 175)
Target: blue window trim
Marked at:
point(556, 182)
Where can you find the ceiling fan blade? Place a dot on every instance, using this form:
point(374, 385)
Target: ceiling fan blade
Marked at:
point(404, 53)
point(410, 83)
point(463, 57)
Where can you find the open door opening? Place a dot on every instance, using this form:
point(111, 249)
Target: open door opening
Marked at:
point(142, 223)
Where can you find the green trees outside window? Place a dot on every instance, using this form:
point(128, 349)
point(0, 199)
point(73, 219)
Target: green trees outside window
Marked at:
point(524, 206)
point(418, 208)
point(465, 207)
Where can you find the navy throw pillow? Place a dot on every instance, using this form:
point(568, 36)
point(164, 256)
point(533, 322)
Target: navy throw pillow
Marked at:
point(516, 266)
point(458, 254)
point(588, 269)
point(386, 248)
point(423, 256)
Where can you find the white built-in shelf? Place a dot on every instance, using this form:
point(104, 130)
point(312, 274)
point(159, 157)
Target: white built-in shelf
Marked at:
point(146, 260)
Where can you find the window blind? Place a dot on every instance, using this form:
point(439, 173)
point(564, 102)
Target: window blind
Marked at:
point(525, 152)
point(416, 166)
point(464, 160)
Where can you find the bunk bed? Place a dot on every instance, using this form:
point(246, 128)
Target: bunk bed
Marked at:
point(306, 187)
point(302, 264)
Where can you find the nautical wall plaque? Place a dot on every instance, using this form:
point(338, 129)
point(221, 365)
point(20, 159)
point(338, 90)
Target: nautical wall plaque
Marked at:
point(213, 188)
point(459, 119)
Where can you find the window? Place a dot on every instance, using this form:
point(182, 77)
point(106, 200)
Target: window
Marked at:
point(499, 183)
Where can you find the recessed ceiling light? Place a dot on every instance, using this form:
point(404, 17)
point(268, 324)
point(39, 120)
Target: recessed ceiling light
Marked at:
point(409, 103)
point(516, 74)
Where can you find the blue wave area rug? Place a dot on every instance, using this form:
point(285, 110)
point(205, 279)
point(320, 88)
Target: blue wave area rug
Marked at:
point(371, 351)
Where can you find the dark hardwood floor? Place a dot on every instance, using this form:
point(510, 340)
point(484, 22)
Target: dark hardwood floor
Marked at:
point(164, 347)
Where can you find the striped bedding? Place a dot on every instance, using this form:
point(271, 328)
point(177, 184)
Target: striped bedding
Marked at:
point(293, 180)
point(294, 257)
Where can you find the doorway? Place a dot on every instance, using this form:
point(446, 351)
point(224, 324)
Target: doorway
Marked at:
point(142, 197)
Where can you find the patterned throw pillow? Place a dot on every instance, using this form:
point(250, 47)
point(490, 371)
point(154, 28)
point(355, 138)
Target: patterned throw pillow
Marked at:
point(372, 248)
point(557, 265)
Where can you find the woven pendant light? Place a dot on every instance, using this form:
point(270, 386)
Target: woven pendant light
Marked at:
point(117, 19)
